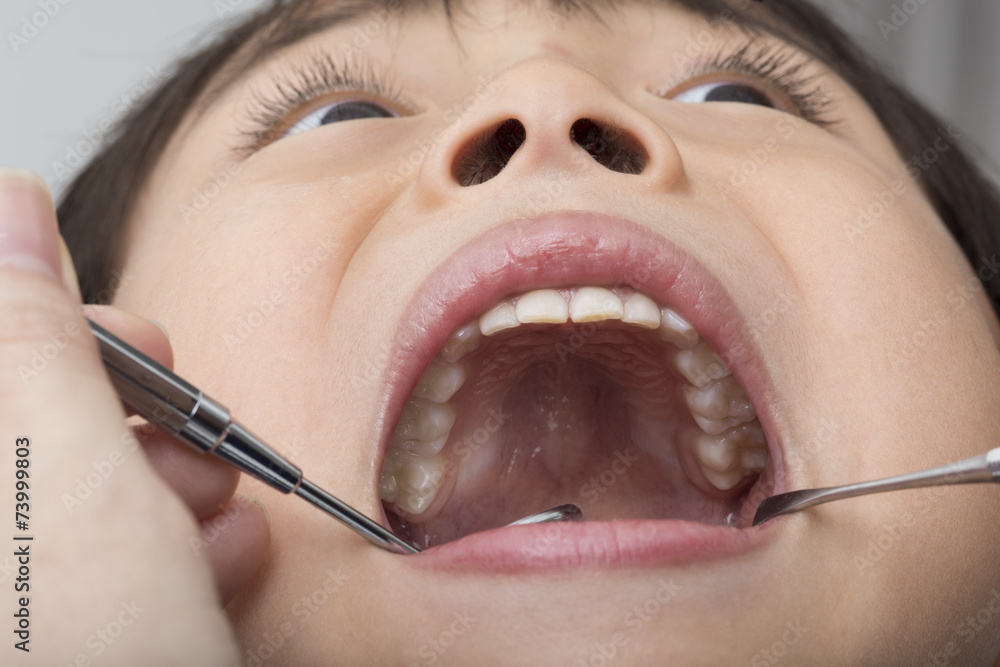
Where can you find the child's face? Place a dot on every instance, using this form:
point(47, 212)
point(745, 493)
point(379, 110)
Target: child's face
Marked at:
point(310, 285)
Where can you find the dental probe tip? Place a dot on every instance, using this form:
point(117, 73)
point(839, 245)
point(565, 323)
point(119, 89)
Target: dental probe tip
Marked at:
point(567, 512)
point(355, 520)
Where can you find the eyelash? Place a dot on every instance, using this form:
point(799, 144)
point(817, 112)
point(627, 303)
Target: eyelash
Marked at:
point(779, 68)
point(322, 74)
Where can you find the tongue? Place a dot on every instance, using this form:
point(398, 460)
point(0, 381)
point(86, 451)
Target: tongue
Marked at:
point(543, 422)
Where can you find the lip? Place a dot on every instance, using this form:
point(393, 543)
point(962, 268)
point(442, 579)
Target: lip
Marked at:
point(559, 546)
point(570, 248)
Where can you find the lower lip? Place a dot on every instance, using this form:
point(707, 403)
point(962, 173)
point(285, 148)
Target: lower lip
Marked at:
point(562, 545)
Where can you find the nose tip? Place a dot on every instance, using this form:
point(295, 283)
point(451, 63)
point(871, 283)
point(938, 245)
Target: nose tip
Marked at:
point(547, 114)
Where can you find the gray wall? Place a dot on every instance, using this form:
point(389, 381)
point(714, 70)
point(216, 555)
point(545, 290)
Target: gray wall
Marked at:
point(945, 51)
point(78, 72)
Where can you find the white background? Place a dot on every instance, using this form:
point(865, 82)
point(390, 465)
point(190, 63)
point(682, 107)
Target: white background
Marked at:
point(80, 69)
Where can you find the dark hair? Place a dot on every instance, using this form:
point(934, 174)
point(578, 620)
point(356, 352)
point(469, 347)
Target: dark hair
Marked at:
point(96, 208)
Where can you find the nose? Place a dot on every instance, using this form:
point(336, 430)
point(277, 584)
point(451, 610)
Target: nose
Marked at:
point(549, 115)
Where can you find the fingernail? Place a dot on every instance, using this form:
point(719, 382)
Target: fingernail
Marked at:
point(159, 325)
point(28, 230)
point(267, 516)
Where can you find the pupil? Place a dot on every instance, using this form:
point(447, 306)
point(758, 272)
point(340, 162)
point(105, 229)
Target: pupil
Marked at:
point(738, 93)
point(353, 111)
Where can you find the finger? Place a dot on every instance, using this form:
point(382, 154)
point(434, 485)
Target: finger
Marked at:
point(69, 271)
point(202, 481)
point(235, 541)
point(103, 527)
point(144, 335)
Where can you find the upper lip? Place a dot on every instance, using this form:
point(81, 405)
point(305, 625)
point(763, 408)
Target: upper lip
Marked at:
point(564, 249)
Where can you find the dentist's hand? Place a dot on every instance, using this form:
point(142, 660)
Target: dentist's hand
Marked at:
point(119, 569)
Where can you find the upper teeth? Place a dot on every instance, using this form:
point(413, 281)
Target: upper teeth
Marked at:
point(731, 445)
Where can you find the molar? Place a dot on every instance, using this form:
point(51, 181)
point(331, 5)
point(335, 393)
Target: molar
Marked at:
point(720, 399)
point(716, 426)
point(700, 364)
point(595, 304)
point(727, 458)
point(440, 381)
point(543, 306)
point(411, 482)
point(424, 426)
point(754, 458)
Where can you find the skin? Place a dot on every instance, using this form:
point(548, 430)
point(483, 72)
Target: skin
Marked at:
point(885, 580)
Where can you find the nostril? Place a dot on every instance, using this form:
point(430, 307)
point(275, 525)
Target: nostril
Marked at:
point(486, 155)
point(610, 146)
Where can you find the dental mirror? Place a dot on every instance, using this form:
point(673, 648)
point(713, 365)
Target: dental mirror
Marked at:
point(976, 470)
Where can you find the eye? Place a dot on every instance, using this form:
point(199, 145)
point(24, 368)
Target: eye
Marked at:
point(339, 112)
point(725, 91)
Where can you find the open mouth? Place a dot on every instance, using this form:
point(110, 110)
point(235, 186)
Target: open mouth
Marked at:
point(585, 386)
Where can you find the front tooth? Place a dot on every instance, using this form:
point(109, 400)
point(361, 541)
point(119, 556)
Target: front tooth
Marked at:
point(423, 420)
point(500, 317)
point(417, 480)
point(700, 365)
point(544, 306)
point(463, 341)
point(595, 304)
point(677, 330)
point(641, 311)
point(720, 399)
point(440, 381)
